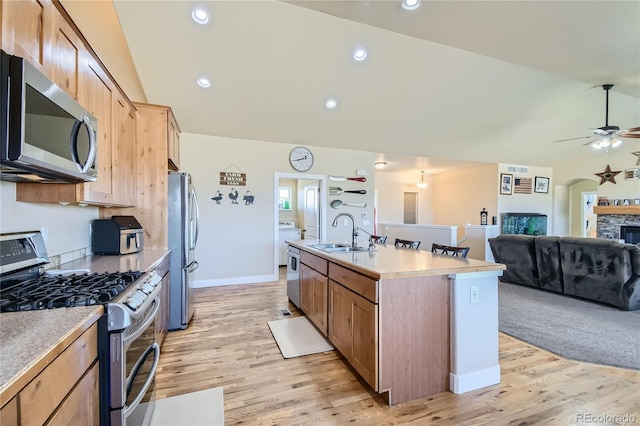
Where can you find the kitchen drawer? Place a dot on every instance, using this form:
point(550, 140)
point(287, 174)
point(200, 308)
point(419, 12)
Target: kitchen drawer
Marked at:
point(40, 398)
point(358, 283)
point(315, 262)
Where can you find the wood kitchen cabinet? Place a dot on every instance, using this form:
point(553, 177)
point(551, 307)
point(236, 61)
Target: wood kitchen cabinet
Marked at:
point(66, 51)
point(124, 157)
point(173, 142)
point(27, 27)
point(152, 134)
point(353, 321)
point(314, 286)
point(66, 391)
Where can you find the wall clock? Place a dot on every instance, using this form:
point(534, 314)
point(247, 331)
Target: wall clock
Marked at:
point(301, 159)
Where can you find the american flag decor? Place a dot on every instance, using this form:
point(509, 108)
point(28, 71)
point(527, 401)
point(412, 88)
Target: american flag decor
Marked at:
point(522, 185)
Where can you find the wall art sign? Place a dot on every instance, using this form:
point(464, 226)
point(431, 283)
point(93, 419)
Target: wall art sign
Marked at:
point(542, 185)
point(233, 178)
point(522, 185)
point(632, 174)
point(506, 183)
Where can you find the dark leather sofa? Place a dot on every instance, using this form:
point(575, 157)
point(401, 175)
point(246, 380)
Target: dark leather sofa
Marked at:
point(597, 269)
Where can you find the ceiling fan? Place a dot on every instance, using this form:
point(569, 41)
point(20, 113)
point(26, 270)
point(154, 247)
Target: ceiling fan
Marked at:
point(607, 136)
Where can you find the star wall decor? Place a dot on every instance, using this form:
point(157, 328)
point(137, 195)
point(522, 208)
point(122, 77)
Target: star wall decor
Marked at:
point(637, 154)
point(608, 175)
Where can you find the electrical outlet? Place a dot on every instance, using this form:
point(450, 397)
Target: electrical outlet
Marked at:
point(475, 294)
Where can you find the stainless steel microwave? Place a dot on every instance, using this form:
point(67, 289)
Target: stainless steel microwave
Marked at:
point(46, 135)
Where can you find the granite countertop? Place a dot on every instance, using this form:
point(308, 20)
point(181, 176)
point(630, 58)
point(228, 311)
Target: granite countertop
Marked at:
point(388, 261)
point(30, 340)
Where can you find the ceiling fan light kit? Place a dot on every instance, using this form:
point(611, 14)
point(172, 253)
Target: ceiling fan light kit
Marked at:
point(607, 136)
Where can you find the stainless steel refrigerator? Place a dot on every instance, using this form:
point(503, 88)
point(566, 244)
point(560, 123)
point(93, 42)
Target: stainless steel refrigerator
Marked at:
point(183, 236)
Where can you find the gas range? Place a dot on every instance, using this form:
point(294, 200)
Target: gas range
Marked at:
point(25, 285)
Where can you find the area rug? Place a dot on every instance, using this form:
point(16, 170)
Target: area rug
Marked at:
point(199, 408)
point(573, 328)
point(298, 337)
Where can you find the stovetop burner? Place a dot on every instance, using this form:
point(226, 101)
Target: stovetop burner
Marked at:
point(48, 292)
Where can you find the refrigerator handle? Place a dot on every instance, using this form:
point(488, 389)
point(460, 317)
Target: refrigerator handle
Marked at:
point(196, 218)
point(194, 266)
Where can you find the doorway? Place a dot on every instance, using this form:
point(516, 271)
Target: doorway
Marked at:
point(305, 210)
point(589, 218)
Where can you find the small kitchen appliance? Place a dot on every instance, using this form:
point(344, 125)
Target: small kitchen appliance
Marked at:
point(128, 352)
point(118, 235)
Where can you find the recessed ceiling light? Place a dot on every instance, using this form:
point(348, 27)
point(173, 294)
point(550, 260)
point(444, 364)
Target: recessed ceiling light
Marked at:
point(359, 54)
point(410, 4)
point(204, 82)
point(331, 103)
point(200, 16)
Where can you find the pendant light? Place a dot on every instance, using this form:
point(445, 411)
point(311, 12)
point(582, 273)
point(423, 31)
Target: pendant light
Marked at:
point(422, 184)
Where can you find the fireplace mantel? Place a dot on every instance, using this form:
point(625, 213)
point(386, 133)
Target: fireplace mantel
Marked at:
point(616, 209)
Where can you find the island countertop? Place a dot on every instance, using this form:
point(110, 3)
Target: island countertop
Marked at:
point(388, 261)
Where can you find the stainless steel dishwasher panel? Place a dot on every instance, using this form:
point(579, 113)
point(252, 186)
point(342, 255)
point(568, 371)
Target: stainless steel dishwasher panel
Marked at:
point(293, 275)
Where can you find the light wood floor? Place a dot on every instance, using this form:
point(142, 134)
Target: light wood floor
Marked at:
point(229, 344)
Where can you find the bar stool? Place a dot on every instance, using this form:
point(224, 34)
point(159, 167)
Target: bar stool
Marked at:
point(407, 244)
point(379, 239)
point(450, 250)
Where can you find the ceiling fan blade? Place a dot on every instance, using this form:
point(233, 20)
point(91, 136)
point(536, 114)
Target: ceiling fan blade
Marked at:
point(573, 139)
point(588, 143)
point(629, 133)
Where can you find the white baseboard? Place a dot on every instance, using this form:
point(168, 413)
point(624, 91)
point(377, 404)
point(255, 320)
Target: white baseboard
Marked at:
point(475, 380)
point(232, 281)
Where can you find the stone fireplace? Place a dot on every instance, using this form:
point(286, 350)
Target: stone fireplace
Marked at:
point(609, 225)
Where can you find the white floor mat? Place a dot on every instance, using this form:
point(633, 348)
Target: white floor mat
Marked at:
point(297, 337)
point(201, 408)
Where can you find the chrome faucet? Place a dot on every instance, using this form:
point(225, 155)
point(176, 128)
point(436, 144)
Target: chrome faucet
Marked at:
point(354, 233)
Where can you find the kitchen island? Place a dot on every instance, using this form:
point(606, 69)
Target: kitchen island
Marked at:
point(410, 322)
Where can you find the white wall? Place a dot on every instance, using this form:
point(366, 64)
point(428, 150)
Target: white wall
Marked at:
point(527, 203)
point(391, 187)
point(460, 195)
point(236, 242)
point(66, 228)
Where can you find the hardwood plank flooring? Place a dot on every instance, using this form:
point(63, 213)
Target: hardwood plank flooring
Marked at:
point(229, 344)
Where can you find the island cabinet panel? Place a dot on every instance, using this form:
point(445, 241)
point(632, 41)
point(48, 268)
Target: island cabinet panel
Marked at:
point(353, 330)
point(354, 281)
point(313, 297)
point(414, 337)
point(315, 262)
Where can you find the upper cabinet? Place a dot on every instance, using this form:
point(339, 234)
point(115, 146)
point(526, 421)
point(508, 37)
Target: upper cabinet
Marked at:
point(27, 27)
point(173, 142)
point(43, 34)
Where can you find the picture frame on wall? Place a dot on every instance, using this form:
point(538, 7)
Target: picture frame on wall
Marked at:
point(506, 184)
point(541, 185)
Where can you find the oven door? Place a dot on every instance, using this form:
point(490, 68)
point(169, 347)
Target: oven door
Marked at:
point(133, 375)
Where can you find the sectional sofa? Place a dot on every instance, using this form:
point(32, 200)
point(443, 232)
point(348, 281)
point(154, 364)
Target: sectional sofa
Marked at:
point(597, 269)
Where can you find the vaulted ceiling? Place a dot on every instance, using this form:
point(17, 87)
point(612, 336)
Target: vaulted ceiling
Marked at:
point(488, 81)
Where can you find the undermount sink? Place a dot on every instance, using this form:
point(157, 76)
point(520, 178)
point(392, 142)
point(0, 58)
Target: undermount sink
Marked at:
point(337, 248)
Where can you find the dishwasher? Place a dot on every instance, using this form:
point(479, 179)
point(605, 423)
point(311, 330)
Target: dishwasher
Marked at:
point(293, 275)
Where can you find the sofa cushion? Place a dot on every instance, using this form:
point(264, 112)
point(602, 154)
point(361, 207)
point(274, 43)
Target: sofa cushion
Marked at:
point(548, 262)
point(517, 252)
point(602, 270)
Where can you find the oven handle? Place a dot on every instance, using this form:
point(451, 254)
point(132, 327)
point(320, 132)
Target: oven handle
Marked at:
point(151, 317)
point(134, 372)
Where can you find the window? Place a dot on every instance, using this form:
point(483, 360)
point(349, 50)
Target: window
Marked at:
point(284, 198)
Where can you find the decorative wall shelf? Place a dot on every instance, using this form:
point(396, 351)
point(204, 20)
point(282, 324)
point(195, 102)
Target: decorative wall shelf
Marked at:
point(616, 209)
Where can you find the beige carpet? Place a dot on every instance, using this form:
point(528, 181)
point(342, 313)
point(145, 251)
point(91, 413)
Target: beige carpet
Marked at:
point(297, 337)
point(201, 408)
